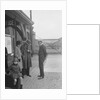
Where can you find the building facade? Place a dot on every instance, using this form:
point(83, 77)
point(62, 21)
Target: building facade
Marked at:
point(18, 26)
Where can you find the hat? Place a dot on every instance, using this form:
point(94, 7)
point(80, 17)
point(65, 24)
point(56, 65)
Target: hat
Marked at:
point(39, 41)
point(18, 43)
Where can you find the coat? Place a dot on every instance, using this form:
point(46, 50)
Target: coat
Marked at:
point(42, 53)
point(29, 63)
point(18, 54)
point(24, 55)
point(14, 71)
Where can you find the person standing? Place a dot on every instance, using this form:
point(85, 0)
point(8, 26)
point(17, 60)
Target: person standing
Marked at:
point(24, 57)
point(18, 53)
point(29, 63)
point(42, 57)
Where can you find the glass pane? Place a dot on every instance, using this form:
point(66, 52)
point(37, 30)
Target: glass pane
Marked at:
point(8, 44)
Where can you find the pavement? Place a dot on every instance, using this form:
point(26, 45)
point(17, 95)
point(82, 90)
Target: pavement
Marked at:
point(52, 70)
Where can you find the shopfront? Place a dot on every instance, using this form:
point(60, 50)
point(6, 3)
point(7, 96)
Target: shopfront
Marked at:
point(17, 28)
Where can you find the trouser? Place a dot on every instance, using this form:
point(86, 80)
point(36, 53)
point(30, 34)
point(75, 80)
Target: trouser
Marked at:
point(24, 71)
point(21, 80)
point(24, 60)
point(41, 67)
point(18, 83)
point(28, 71)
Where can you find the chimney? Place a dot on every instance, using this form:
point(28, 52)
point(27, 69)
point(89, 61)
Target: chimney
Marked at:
point(31, 14)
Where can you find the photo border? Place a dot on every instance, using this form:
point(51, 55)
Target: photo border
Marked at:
point(65, 96)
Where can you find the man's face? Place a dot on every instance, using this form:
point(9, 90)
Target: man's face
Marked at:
point(16, 61)
point(19, 45)
point(40, 43)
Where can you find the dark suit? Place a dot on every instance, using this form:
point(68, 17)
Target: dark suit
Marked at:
point(42, 56)
point(29, 63)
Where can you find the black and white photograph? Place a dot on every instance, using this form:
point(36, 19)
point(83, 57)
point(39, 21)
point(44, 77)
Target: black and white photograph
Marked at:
point(33, 49)
point(49, 50)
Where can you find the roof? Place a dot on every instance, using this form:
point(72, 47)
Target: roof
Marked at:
point(25, 16)
point(19, 15)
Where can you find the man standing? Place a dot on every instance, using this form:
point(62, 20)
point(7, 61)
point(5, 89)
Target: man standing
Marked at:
point(24, 57)
point(42, 56)
point(29, 63)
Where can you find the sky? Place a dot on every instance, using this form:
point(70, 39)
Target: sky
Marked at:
point(47, 23)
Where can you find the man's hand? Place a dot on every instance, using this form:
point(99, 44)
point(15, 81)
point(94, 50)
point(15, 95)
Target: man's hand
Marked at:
point(44, 61)
point(19, 60)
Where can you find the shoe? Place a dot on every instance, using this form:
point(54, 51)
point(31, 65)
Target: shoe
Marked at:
point(29, 75)
point(23, 76)
point(21, 86)
point(39, 75)
point(42, 76)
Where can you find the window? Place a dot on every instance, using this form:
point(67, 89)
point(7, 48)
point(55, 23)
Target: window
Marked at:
point(8, 43)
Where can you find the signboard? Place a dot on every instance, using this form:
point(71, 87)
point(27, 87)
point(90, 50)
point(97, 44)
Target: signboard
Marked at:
point(8, 43)
point(10, 22)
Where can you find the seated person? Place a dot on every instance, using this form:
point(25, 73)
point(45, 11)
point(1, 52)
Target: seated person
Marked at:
point(15, 71)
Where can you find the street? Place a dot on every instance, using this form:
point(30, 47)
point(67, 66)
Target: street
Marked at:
point(53, 74)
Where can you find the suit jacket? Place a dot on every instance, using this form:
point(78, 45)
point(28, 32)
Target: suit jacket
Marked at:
point(29, 64)
point(42, 53)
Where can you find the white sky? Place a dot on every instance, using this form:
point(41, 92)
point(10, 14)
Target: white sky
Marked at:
point(47, 23)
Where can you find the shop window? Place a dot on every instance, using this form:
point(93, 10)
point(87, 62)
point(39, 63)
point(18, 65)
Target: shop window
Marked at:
point(8, 43)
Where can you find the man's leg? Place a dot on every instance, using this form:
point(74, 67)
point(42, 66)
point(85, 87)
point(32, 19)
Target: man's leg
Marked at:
point(41, 70)
point(23, 70)
point(28, 72)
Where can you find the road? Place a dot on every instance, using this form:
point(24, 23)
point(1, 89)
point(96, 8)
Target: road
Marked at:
point(53, 74)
